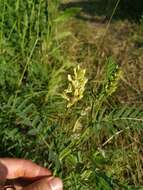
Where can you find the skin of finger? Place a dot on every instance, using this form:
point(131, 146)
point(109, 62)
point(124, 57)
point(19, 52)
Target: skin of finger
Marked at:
point(3, 172)
point(22, 168)
point(45, 184)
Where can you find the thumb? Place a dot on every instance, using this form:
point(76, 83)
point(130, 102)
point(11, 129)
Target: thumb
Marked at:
point(46, 184)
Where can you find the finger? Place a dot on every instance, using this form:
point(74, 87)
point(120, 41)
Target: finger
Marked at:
point(3, 172)
point(15, 168)
point(46, 184)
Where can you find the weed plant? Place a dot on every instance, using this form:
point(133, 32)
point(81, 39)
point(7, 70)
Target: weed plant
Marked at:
point(49, 111)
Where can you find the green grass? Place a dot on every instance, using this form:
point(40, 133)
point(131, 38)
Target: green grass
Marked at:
point(88, 132)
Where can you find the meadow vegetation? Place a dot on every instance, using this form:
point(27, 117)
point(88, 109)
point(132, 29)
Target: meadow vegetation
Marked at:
point(71, 90)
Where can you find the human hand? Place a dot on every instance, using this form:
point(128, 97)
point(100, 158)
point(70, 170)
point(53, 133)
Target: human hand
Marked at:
point(25, 175)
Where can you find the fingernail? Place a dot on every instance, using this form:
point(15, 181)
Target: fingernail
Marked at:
point(56, 184)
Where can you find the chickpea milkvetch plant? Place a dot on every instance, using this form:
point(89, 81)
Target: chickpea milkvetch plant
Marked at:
point(116, 121)
point(33, 64)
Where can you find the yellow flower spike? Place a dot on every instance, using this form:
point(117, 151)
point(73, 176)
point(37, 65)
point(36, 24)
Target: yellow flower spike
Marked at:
point(76, 86)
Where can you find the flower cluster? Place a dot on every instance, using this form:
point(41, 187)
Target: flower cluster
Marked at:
point(76, 86)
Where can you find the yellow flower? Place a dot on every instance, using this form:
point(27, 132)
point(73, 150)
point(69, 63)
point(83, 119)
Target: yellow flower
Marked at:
point(76, 86)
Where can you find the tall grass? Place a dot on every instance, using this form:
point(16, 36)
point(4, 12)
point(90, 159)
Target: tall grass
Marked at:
point(81, 137)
